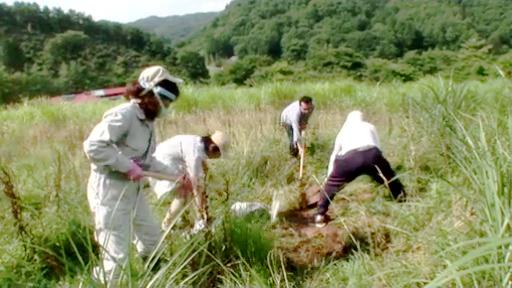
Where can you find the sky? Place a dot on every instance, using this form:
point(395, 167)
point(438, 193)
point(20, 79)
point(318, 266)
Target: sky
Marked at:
point(130, 10)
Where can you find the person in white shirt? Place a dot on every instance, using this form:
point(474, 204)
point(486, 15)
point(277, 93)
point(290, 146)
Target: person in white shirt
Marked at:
point(356, 152)
point(294, 119)
point(187, 154)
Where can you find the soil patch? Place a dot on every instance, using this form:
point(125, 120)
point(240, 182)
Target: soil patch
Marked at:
point(306, 245)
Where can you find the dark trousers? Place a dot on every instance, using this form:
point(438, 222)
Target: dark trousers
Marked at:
point(294, 150)
point(369, 162)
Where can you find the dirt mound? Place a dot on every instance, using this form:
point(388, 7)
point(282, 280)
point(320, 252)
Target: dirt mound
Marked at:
point(306, 245)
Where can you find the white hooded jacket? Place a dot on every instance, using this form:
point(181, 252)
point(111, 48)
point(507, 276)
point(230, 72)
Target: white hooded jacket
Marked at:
point(355, 134)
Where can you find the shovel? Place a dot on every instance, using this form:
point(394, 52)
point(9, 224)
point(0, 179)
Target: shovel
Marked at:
point(302, 155)
point(158, 176)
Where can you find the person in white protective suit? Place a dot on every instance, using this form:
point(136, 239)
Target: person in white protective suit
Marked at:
point(187, 154)
point(120, 148)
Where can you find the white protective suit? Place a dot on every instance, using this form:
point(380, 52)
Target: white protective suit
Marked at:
point(120, 211)
point(355, 134)
point(184, 154)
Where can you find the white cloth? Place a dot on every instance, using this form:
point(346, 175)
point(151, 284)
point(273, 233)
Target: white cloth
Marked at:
point(120, 211)
point(354, 134)
point(291, 116)
point(182, 154)
point(244, 208)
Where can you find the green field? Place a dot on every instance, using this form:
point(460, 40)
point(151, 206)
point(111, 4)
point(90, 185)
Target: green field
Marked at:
point(451, 144)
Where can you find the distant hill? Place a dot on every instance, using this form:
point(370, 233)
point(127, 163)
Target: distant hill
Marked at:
point(175, 28)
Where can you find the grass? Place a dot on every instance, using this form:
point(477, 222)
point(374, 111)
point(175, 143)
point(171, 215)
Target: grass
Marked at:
point(450, 143)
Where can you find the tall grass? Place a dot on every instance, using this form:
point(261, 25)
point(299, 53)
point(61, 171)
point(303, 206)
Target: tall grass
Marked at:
point(450, 143)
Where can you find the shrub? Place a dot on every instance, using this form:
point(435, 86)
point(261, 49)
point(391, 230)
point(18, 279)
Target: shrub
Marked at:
point(385, 70)
point(244, 68)
point(430, 62)
point(193, 64)
point(333, 60)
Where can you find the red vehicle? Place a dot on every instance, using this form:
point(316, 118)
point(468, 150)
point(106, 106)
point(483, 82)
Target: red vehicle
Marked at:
point(106, 93)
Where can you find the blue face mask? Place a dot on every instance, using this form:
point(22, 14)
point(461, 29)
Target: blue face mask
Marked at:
point(159, 93)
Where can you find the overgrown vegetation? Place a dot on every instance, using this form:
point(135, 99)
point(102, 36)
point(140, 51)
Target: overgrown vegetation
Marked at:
point(47, 52)
point(372, 39)
point(450, 143)
point(51, 52)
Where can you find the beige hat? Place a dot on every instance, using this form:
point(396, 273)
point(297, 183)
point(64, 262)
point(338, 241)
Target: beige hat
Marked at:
point(151, 76)
point(221, 140)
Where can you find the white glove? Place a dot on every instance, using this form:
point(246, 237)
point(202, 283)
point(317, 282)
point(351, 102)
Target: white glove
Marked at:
point(198, 226)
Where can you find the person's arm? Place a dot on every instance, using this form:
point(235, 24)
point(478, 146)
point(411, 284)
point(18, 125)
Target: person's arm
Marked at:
point(297, 138)
point(100, 147)
point(196, 173)
point(161, 162)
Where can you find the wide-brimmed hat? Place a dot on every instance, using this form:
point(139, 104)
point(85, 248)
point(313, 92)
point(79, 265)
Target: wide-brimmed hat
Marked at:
point(221, 140)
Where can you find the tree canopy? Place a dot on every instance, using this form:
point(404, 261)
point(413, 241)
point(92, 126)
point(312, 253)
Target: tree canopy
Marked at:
point(375, 28)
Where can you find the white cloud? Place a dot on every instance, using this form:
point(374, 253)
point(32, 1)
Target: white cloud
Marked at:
point(131, 10)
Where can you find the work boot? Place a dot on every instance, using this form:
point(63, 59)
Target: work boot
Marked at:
point(320, 220)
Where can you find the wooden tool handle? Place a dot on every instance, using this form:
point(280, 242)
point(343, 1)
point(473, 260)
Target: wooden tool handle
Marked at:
point(158, 176)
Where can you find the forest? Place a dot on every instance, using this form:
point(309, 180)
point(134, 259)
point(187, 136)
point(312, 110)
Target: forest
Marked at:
point(47, 52)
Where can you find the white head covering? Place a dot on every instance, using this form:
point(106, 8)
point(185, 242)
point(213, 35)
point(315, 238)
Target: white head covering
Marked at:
point(151, 76)
point(354, 116)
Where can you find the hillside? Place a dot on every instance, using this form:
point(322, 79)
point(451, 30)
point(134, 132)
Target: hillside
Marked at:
point(175, 28)
point(297, 29)
point(54, 52)
point(50, 52)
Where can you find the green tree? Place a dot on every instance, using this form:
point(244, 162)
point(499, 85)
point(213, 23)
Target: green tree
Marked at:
point(332, 60)
point(219, 46)
point(65, 47)
point(12, 55)
point(295, 44)
point(193, 64)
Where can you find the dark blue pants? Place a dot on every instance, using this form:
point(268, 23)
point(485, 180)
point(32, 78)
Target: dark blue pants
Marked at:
point(369, 162)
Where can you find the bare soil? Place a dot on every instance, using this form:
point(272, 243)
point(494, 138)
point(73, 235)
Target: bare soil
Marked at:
point(306, 245)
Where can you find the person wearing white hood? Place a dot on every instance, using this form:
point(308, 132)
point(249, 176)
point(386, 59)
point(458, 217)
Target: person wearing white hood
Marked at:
point(356, 152)
point(120, 148)
point(187, 154)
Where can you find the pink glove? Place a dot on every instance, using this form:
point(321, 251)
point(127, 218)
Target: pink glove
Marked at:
point(135, 172)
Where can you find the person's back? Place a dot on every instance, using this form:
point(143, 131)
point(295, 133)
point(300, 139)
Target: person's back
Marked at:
point(178, 152)
point(290, 113)
point(357, 134)
point(176, 148)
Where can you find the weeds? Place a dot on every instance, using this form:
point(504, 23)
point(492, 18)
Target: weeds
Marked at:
point(15, 202)
point(451, 143)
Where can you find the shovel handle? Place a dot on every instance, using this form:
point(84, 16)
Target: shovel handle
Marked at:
point(302, 152)
point(159, 176)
